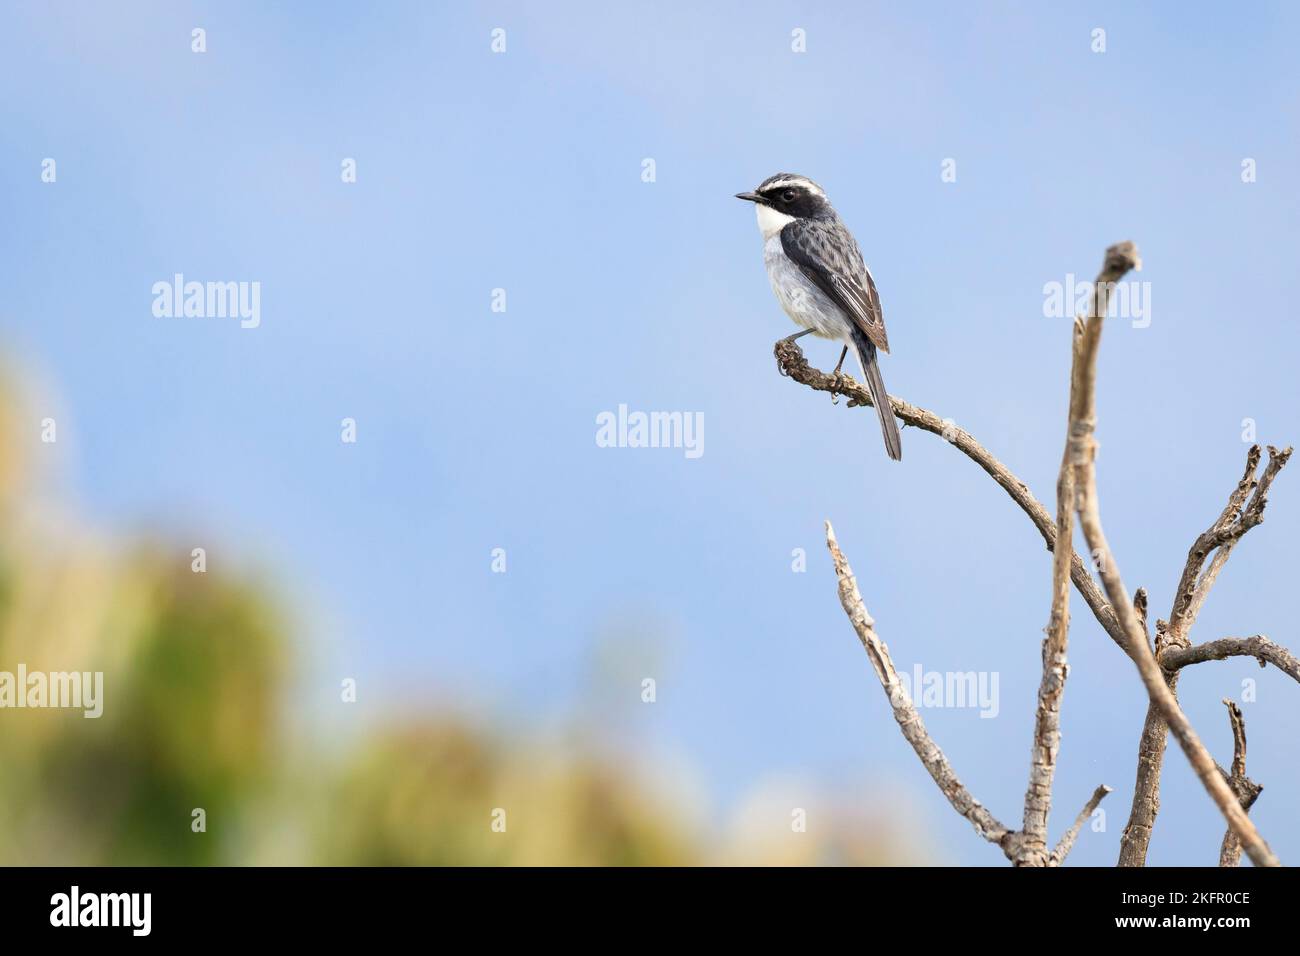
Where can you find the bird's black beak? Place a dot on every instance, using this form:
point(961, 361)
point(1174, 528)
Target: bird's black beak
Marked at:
point(750, 197)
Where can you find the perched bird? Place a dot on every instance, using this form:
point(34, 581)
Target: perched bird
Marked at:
point(821, 281)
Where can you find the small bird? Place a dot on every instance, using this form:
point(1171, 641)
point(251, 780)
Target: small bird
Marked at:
point(821, 281)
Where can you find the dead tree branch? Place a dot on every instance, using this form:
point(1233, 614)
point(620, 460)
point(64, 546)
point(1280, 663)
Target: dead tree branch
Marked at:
point(1247, 790)
point(909, 721)
point(791, 363)
point(1140, 608)
point(1083, 450)
point(1173, 650)
point(913, 728)
point(1258, 647)
point(1243, 512)
point(1067, 842)
point(1123, 619)
point(1051, 688)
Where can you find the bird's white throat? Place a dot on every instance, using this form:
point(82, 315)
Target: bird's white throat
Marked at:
point(770, 222)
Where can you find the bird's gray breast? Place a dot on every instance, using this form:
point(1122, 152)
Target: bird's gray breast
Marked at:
point(800, 297)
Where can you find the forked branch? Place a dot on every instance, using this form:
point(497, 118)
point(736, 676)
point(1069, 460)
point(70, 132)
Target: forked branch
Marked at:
point(1173, 651)
point(1012, 843)
point(1083, 452)
point(1123, 618)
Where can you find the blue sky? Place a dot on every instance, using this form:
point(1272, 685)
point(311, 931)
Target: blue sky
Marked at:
point(476, 429)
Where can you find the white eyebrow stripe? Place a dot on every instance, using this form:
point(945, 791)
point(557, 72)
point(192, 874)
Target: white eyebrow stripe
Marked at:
point(805, 183)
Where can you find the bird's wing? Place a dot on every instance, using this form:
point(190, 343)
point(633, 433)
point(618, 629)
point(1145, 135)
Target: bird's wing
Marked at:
point(826, 253)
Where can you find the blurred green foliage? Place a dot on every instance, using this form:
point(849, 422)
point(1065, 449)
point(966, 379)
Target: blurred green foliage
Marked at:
point(199, 669)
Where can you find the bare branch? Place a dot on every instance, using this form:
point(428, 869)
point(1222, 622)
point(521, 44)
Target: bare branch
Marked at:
point(1238, 737)
point(1083, 449)
point(1047, 717)
point(1067, 842)
point(1124, 620)
point(1135, 839)
point(1247, 790)
point(909, 721)
point(1242, 512)
point(1140, 608)
point(791, 363)
point(1258, 647)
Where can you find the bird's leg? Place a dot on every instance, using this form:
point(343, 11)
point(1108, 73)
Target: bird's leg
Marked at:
point(835, 396)
point(797, 335)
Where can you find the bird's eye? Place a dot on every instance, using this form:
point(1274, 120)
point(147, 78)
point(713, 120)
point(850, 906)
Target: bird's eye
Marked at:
point(788, 195)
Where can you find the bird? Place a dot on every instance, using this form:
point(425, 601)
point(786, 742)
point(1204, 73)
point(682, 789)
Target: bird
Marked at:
point(821, 281)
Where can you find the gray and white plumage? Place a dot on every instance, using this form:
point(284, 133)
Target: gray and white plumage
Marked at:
point(818, 275)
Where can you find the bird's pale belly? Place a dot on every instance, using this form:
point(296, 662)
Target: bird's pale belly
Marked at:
point(806, 304)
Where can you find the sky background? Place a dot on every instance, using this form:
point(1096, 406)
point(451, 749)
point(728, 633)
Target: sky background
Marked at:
point(476, 429)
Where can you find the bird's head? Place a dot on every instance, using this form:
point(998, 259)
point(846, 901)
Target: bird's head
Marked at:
point(790, 195)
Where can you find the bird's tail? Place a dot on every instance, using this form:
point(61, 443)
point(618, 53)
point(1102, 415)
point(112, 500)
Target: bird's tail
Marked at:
point(879, 397)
